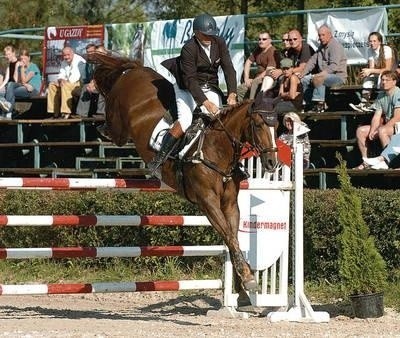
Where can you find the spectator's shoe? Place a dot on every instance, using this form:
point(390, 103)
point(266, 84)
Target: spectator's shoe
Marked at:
point(362, 107)
point(5, 116)
point(5, 105)
point(104, 131)
point(362, 166)
point(319, 107)
point(371, 161)
point(380, 165)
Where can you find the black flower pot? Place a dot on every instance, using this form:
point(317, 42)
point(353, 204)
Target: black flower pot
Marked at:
point(368, 305)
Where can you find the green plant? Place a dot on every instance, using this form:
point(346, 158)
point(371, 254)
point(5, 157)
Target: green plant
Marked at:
point(361, 267)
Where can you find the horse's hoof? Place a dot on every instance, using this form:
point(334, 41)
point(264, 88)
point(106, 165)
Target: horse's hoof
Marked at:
point(250, 285)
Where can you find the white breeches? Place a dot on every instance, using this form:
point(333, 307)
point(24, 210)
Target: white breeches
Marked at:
point(186, 105)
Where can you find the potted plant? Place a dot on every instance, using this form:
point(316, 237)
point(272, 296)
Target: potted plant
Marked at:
point(361, 267)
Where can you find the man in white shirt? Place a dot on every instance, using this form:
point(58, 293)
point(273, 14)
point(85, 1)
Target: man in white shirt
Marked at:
point(59, 96)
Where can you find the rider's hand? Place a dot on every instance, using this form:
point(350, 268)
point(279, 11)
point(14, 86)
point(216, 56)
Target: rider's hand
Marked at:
point(211, 107)
point(231, 100)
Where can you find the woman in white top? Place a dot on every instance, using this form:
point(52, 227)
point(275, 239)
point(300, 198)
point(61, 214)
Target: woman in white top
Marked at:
point(380, 58)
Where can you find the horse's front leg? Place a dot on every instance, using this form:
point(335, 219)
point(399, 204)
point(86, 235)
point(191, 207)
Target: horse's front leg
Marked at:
point(230, 209)
point(224, 217)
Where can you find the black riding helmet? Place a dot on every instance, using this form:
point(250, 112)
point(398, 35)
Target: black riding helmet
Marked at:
point(205, 24)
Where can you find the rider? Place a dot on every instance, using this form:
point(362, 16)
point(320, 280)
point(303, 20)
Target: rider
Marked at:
point(196, 74)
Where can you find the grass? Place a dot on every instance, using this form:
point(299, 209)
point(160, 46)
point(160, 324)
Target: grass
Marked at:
point(325, 296)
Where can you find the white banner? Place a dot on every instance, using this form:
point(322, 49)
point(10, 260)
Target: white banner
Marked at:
point(264, 225)
point(157, 41)
point(351, 29)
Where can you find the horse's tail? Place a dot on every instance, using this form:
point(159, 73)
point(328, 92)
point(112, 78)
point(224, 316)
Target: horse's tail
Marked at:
point(109, 68)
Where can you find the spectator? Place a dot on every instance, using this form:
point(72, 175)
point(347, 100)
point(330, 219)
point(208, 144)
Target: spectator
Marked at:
point(267, 58)
point(196, 74)
point(9, 76)
point(300, 52)
point(290, 97)
point(384, 160)
point(380, 58)
point(2, 76)
point(287, 137)
point(59, 97)
point(286, 45)
point(327, 67)
point(387, 113)
point(277, 73)
point(28, 82)
point(89, 94)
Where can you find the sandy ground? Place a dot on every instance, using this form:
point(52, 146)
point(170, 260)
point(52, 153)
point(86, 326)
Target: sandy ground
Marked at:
point(165, 314)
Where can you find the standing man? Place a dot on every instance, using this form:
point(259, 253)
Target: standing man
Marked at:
point(267, 58)
point(196, 74)
point(59, 97)
point(327, 67)
point(387, 113)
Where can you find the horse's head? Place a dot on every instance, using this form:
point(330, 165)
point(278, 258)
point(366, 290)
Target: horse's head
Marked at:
point(261, 135)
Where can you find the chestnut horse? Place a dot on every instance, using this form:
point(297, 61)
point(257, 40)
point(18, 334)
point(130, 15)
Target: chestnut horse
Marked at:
point(137, 98)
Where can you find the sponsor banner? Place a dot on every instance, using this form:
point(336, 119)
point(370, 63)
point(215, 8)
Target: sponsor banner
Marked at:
point(154, 42)
point(350, 28)
point(264, 226)
point(77, 37)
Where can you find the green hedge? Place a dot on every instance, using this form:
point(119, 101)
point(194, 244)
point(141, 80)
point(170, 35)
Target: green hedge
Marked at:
point(321, 227)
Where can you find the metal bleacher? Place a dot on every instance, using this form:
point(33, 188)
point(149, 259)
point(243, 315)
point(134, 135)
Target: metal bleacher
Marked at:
point(55, 147)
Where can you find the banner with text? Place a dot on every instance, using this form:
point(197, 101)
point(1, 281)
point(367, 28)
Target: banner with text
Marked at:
point(153, 42)
point(77, 37)
point(351, 29)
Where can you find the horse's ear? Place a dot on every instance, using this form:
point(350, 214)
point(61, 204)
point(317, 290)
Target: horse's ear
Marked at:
point(263, 103)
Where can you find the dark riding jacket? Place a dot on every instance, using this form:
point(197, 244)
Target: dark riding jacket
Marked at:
point(193, 69)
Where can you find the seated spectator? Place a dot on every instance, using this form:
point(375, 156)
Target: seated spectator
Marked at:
point(327, 67)
point(300, 52)
point(290, 97)
point(59, 96)
point(27, 84)
point(384, 160)
point(266, 56)
point(9, 76)
point(387, 113)
point(380, 58)
point(287, 137)
point(89, 95)
point(2, 76)
point(286, 45)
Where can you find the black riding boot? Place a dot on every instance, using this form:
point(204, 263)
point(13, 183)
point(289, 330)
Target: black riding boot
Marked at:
point(167, 146)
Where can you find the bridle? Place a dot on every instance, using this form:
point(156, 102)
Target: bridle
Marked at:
point(254, 147)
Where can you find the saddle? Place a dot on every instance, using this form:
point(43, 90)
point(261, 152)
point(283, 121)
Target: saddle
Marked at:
point(194, 132)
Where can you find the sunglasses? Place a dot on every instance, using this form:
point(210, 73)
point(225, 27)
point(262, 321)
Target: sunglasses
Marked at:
point(263, 39)
point(283, 40)
point(294, 39)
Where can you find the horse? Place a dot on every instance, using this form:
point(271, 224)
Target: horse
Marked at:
point(137, 98)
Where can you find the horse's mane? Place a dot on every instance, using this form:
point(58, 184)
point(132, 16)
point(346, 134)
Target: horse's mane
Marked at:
point(109, 68)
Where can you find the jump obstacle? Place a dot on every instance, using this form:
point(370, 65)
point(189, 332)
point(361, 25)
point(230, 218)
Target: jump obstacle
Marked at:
point(264, 202)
